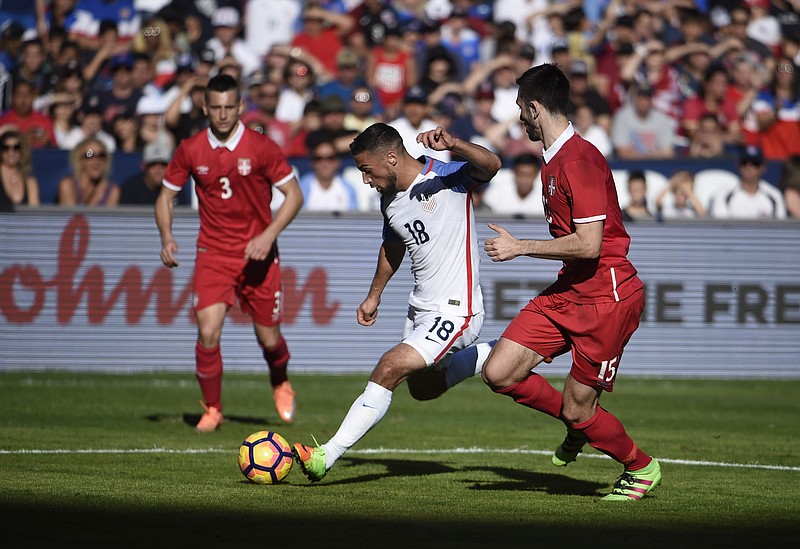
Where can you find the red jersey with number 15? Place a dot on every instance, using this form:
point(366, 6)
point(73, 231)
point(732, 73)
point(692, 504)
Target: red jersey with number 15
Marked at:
point(233, 181)
point(578, 187)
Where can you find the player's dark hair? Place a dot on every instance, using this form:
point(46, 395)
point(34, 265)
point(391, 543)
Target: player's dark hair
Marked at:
point(547, 85)
point(637, 175)
point(378, 138)
point(223, 83)
point(525, 159)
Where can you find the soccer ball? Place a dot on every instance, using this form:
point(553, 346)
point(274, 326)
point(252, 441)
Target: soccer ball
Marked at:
point(265, 458)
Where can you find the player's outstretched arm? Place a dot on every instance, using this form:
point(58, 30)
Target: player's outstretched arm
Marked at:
point(164, 215)
point(584, 243)
point(483, 163)
point(390, 257)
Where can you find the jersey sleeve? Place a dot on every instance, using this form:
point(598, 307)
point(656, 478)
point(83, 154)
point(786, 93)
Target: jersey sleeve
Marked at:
point(178, 169)
point(455, 175)
point(587, 184)
point(276, 168)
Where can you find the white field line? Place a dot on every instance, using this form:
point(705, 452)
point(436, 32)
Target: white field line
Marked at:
point(397, 451)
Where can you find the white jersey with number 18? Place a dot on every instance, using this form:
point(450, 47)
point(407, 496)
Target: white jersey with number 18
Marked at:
point(435, 221)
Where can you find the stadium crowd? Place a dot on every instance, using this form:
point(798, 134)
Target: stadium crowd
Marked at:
point(650, 80)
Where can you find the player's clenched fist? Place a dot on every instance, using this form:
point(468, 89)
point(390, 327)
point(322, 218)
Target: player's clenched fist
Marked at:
point(438, 139)
point(168, 251)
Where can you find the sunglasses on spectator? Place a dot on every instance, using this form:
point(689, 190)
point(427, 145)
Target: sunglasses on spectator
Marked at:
point(362, 97)
point(755, 163)
point(786, 67)
point(321, 158)
point(91, 153)
point(12, 147)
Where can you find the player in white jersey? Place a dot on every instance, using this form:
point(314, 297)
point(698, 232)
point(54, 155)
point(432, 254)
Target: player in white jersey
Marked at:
point(427, 210)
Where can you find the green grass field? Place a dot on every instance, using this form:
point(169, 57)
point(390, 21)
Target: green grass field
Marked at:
point(112, 461)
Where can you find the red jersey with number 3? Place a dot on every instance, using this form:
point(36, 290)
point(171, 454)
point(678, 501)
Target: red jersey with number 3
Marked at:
point(233, 181)
point(578, 187)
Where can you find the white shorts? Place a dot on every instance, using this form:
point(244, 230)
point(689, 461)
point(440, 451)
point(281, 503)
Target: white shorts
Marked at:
point(434, 334)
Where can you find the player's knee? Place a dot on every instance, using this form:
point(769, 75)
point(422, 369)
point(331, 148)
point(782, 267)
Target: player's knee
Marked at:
point(208, 336)
point(492, 375)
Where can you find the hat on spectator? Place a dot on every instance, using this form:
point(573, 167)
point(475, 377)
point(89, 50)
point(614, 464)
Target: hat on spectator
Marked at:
point(184, 62)
point(751, 153)
point(149, 105)
point(579, 68)
point(560, 45)
point(484, 91)
point(347, 58)
point(458, 11)
point(333, 104)
point(527, 51)
point(642, 88)
point(156, 153)
point(207, 55)
point(91, 106)
point(12, 30)
point(225, 17)
point(428, 25)
point(257, 78)
point(122, 60)
point(624, 21)
point(720, 17)
point(415, 94)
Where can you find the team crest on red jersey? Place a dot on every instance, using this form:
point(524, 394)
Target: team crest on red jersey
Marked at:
point(551, 186)
point(245, 166)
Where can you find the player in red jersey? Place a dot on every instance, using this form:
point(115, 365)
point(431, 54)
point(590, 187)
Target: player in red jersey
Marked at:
point(594, 306)
point(234, 169)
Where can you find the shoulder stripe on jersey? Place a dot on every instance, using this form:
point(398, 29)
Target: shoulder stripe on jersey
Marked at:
point(590, 219)
point(428, 167)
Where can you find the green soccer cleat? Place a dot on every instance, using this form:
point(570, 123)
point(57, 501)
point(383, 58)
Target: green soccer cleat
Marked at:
point(311, 461)
point(634, 485)
point(568, 451)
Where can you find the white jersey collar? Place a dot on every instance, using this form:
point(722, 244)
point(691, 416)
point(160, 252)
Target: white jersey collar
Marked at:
point(548, 154)
point(232, 141)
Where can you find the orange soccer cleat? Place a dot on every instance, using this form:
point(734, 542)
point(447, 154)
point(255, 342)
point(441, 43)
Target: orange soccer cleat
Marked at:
point(210, 421)
point(284, 401)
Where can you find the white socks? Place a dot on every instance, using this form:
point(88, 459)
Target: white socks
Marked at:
point(467, 363)
point(365, 413)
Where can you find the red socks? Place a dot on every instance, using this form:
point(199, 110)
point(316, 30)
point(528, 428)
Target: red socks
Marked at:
point(277, 358)
point(535, 392)
point(606, 433)
point(208, 370)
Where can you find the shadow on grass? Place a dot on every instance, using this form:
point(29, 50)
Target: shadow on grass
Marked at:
point(513, 479)
point(41, 525)
point(192, 419)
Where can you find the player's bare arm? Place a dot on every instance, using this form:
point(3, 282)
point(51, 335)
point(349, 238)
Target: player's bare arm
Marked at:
point(390, 257)
point(584, 243)
point(164, 216)
point(258, 248)
point(483, 164)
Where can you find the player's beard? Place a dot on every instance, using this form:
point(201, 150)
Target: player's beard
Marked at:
point(391, 183)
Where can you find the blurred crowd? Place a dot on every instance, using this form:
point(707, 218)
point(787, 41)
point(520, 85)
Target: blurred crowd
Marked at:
point(658, 79)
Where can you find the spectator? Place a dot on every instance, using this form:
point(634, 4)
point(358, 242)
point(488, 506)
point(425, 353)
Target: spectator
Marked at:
point(187, 68)
point(460, 38)
point(753, 198)
point(591, 131)
point(270, 22)
point(31, 66)
point(63, 111)
point(677, 200)
point(122, 95)
point(374, 17)
point(227, 24)
point(324, 188)
point(708, 140)
point(262, 117)
point(299, 79)
point(18, 185)
point(89, 184)
point(348, 76)
point(440, 70)
point(144, 187)
point(332, 128)
point(150, 112)
point(186, 124)
point(746, 80)
point(90, 14)
point(581, 92)
point(391, 71)
point(37, 127)
point(125, 131)
point(90, 124)
point(648, 66)
point(362, 109)
point(790, 185)
point(518, 193)
point(736, 28)
point(640, 131)
point(637, 210)
point(310, 122)
point(502, 74)
point(154, 54)
point(477, 125)
point(777, 109)
point(321, 35)
point(415, 120)
point(712, 101)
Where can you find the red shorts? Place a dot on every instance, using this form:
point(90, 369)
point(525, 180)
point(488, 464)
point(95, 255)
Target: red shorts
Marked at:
point(255, 284)
point(596, 333)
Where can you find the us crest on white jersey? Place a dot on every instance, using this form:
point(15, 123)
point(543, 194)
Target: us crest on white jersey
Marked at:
point(428, 202)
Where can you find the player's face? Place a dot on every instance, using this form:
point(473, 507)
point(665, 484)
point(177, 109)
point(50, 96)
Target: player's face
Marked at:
point(377, 172)
point(528, 120)
point(223, 110)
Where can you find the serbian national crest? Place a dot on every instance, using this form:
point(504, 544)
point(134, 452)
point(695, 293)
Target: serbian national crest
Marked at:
point(551, 186)
point(428, 202)
point(245, 166)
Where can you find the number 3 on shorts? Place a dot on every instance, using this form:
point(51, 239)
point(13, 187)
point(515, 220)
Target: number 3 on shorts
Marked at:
point(608, 367)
